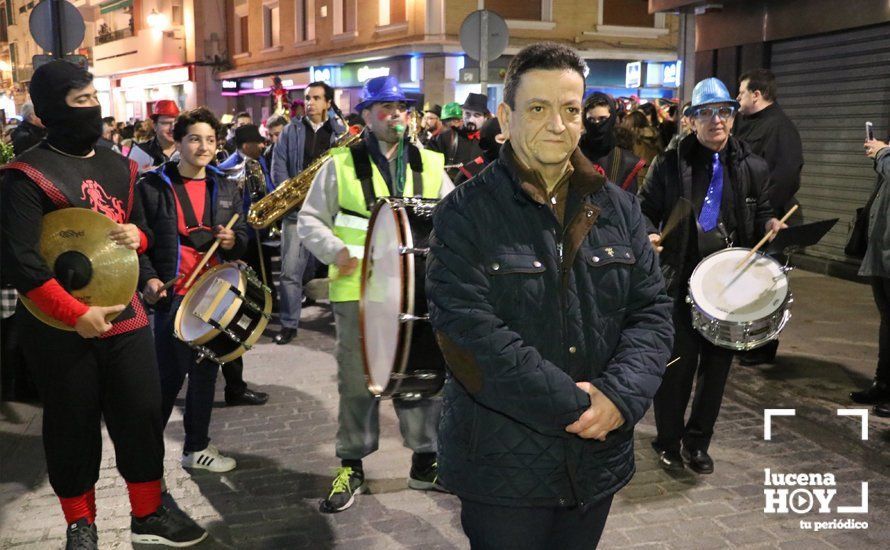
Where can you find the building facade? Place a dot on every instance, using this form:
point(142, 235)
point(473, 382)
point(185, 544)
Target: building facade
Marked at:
point(347, 42)
point(833, 75)
point(140, 51)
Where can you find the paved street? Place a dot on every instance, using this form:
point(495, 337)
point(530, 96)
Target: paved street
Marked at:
point(285, 457)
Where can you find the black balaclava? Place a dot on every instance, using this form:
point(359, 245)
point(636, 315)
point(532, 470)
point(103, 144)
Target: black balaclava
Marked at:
point(73, 130)
point(599, 138)
point(487, 142)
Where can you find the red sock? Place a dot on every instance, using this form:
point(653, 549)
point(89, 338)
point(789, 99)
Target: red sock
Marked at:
point(91, 501)
point(79, 507)
point(145, 497)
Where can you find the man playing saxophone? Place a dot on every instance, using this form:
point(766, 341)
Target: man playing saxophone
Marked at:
point(332, 226)
point(303, 140)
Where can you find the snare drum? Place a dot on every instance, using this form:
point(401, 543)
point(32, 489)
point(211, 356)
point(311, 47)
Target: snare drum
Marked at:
point(224, 313)
point(401, 356)
point(739, 308)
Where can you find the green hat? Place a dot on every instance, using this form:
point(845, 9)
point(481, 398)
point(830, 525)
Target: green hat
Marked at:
point(452, 110)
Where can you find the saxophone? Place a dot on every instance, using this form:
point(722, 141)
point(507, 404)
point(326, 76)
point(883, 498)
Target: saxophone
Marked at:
point(292, 191)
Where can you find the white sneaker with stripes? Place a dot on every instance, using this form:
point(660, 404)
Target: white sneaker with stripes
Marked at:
point(208, 459)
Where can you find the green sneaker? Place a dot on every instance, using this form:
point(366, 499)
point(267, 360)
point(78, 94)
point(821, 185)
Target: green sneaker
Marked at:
point(347, 483)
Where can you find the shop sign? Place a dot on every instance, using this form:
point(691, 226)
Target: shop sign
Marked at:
point(356, 74)
point(633, 76)
point(148, 80)
point(671, 74)
point(367, 73)
point(230, 84)
point(322, 74)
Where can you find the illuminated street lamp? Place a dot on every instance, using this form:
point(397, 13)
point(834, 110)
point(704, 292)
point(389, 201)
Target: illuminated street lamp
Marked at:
point(158, 21)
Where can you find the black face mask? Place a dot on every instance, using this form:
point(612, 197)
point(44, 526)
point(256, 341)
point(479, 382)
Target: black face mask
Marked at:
point(599, 138)
point(75, 130)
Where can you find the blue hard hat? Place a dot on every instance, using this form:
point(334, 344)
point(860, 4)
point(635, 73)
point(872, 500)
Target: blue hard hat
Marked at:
point(380, 90)
point(708, 92)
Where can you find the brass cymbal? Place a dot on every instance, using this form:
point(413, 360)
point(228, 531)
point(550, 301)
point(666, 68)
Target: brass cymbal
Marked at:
point(74, 243)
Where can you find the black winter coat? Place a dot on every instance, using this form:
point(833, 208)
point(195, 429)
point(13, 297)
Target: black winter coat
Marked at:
point(774, 137)
point(154, 150)
point(523, 309)
point(670, 178)
point(156, 188)
point(457, 149)
point(25, 136)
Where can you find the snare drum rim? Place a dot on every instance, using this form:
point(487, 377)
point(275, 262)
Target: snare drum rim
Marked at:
point(227, 317)
point(399, 215)
point(257, 331)
point(747, 346)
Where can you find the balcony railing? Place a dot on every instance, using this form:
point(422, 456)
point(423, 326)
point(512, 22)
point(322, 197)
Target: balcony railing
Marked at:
point(115, 35)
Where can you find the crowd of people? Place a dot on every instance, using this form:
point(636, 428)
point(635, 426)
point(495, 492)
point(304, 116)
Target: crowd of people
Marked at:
point(556, 292)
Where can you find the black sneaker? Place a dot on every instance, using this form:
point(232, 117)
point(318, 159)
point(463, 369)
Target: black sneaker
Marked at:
point(347, 483)
point(82, 535)
point(168, 527)
point(425, 478)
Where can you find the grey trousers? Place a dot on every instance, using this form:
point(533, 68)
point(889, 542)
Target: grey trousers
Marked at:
point(295, 260)
point(358, 433)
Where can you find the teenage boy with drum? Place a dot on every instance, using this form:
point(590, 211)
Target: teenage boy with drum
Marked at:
point(333, 224)
point(726, 185)
point(187, 204)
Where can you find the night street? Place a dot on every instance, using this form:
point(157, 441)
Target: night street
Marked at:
point(285, 456)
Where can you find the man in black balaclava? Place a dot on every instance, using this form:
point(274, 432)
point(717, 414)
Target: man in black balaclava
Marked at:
point(72, 128)
point(97, 369)
point(619, 165)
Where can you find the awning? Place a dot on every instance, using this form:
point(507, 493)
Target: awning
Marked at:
point(112, 5)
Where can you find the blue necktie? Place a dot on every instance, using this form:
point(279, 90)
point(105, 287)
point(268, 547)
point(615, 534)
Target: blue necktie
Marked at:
point(710, 210)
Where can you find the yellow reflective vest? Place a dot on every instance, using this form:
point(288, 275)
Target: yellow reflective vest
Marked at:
point(351, 223)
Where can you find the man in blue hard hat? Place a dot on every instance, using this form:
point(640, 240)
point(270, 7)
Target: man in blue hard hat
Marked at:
point(332, 226)
point(726, 185)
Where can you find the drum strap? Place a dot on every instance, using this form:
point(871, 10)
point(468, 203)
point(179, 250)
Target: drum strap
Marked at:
point(200, 235)
point(361, 159)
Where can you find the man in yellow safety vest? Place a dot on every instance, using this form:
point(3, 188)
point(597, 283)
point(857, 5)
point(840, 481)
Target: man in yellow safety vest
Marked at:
point(333, 224)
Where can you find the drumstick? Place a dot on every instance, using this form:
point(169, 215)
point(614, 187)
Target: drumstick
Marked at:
point(766, 237)
point(209, 254)
point(681, 210)
point(168, 284)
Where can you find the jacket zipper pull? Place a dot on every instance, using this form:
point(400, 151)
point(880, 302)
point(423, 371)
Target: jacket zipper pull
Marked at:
point(559, 250)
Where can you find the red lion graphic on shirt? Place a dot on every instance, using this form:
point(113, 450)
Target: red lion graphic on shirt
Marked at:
point(102, 202)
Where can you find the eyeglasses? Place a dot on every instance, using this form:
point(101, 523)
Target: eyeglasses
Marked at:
point(707, 113)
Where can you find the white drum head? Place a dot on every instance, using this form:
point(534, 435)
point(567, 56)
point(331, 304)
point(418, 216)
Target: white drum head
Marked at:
point(191, 327)
point(382, 296)
point(751, 292)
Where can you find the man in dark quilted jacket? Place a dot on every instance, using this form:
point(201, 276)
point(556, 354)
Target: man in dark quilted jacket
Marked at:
point(550, 309)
